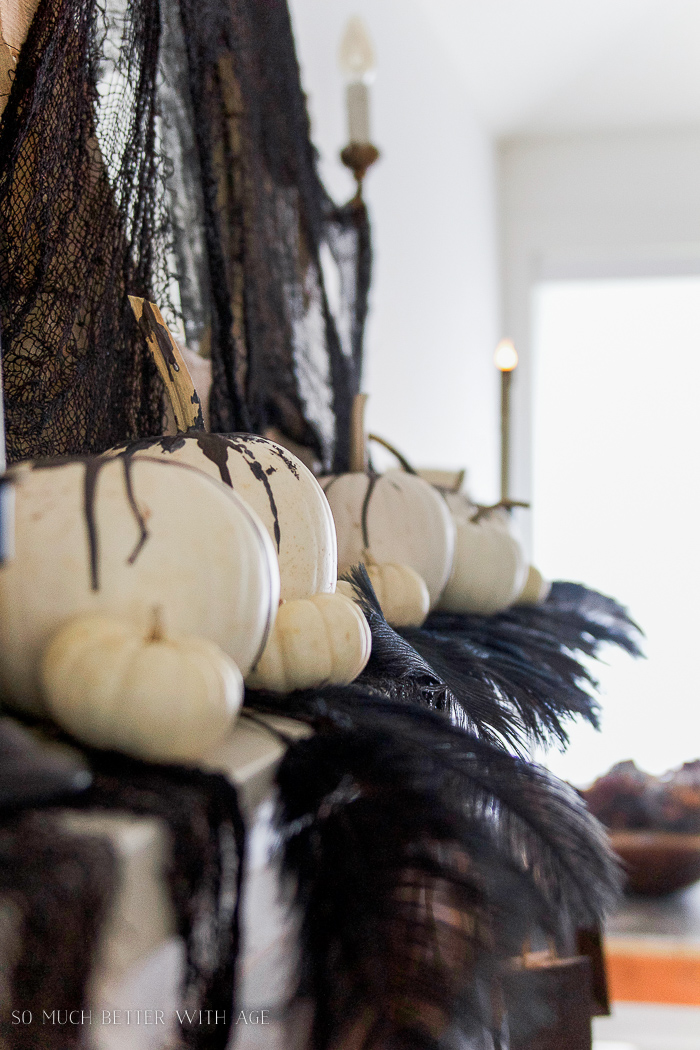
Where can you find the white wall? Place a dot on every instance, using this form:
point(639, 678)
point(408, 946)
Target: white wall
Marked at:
point(606, 204)
point(434, 307)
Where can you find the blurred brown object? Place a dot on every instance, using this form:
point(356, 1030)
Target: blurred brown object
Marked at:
point(621, 798)
point(678, 799)
point(590, 943)
point(658, 862)
point(548, 1002)
point(626, 798)
point(654, 824)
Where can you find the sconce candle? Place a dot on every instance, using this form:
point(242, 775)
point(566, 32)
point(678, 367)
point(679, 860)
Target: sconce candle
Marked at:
point(506, 360)
point(356, 58)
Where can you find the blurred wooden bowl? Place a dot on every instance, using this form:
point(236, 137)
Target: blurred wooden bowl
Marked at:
point(657, 862)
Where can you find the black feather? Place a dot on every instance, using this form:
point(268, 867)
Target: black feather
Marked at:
point(537, 691)
point(509, 684)
point(397, 670)
point(419, 850)
point(420, 857)
point(596, 606)
point(600, 618)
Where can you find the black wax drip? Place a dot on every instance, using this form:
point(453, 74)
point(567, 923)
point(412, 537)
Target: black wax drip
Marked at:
point(273, 448)
point(143, 531)
point(282, 454)
point(92, 469)
point(259, 474)
point(372, 480)
point(216, 450)
point(93, 466)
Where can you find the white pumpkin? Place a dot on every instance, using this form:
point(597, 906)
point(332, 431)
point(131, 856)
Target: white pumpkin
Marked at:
point(281, 490)
point(489, 569)
point(323, 640)
point(393, 517)
point(152, 697)
point(401, 593)
point(536, 589)
point(118, 537)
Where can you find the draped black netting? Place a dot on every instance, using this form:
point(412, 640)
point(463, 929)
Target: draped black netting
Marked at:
point(281, 273)
point(80, 227)
point(163, 150)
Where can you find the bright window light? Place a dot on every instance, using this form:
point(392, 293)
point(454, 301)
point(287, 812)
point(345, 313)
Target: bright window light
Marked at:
point(616, 497)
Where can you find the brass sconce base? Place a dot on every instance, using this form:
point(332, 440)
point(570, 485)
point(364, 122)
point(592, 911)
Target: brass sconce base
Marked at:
point(359, 157)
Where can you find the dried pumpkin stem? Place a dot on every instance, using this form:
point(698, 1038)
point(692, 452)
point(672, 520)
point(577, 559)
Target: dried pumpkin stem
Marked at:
point(170, 363)
point(504, 504)
point(405, 465)
point(157, 632)
point(358, 444)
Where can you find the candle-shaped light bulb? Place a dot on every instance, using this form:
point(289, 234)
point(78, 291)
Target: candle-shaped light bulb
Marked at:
point(357, 62)
point(506, 356)
point(506, 361)
point(356, 54)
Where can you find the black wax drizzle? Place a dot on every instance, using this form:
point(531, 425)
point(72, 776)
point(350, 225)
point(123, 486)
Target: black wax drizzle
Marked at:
point(215, 448)
point(260, 475)
point(141, 521)
point(92, 470)
point(276, 450)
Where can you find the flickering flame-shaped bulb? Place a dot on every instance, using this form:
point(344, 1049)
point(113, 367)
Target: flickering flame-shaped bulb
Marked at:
point(506, 356)
point(356, 55)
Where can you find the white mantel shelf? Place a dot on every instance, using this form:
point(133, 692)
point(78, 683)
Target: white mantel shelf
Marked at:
point(140, 959)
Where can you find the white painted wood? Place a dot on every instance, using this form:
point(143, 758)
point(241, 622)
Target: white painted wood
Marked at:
point(140, 959)
point(641, 1026)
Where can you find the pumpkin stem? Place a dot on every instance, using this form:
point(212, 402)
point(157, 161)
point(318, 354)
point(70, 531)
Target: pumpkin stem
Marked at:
point(504, 504)
point(358, 445)
point(405, 465)
point(170, 363)
point(157, 633)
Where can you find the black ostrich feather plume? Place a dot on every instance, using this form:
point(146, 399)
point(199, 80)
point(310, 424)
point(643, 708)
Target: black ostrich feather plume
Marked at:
point(420, 856)
point(397, 670)
point(598, 618)
point(573, 619)
point(510, 683)
point(596, 606)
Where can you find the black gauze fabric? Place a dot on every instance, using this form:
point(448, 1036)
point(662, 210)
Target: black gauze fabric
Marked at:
point(162, 150)
point(56, 888)
point(80, 227)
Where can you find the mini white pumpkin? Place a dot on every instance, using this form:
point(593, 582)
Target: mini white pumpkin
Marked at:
point(152, 697)
point(281, 490)
point(118, 537)
point(536, 589)
point(393, 517)
point(489, 569)
point(401, 593)
point(323, 640)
